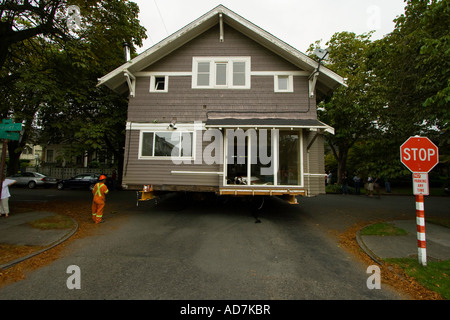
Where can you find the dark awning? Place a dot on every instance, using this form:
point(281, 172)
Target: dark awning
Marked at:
point(268, 123)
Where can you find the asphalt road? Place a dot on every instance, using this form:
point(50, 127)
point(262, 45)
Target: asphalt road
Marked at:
point(208, 250)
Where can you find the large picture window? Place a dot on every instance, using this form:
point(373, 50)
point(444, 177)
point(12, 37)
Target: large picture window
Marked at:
point(289, 158)
point(263, 157)
point(166, 144)
point(221, 73)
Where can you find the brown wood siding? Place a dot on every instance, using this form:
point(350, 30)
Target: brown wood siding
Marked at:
point(159, 172)
point(313, 163)
point(235, 44)
point(189, 105)
point(193, 104)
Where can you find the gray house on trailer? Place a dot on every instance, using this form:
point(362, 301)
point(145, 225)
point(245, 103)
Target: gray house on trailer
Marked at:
point(223, 106)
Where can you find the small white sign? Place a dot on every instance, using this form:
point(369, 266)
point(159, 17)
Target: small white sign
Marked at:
point(420, 183)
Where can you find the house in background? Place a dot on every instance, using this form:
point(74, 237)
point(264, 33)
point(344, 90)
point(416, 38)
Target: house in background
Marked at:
point(224, 106)
point(62, 155)
point(32, 153)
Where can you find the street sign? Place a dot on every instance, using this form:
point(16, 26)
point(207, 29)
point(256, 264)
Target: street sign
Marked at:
point(10, 130)
point(8, 125)
point(9, 135)
point(419, 154)
point(420, 184)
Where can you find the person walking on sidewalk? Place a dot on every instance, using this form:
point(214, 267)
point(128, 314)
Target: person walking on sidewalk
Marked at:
point(98, 202)
point(4, 204)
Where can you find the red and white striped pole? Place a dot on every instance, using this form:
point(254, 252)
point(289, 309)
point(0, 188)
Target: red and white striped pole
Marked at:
point(420, 220)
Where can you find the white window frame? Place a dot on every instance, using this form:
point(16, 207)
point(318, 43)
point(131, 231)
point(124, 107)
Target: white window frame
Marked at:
point(275, 157)
point(153, 83)
point(290, 83)
point(179, 157)
point(213, 61)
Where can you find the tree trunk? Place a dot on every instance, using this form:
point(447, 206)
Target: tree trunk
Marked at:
point(14, 157)
point(342, 164)
point(341, 155)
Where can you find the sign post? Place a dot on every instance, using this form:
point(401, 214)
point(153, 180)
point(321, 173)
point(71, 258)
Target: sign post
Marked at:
point(420, 155)
point(8, 131)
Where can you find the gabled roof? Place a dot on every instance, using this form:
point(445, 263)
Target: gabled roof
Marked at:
point(115, 80)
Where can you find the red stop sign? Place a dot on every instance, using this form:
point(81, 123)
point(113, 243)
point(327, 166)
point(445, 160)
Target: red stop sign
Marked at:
point(419, 154)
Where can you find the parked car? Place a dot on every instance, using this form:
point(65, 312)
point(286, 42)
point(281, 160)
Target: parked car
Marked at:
point(32, 179)
point(80, 181)
point(50, 182)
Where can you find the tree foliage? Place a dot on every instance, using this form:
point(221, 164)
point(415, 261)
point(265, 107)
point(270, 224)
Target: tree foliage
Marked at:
point(51, 78)
point(412, 68)
point(353, 109)
point(398, 87)
point(412, 65)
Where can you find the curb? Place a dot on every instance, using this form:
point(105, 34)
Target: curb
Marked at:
point(369, 252)
point(65, 238)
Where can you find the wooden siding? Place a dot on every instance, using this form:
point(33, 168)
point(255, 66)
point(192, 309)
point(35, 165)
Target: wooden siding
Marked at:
point(159, 172)
point(235, 44)
point(313, 163)
point(187, 105)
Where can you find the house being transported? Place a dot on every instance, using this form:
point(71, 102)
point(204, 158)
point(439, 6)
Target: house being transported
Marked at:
point(223, 106)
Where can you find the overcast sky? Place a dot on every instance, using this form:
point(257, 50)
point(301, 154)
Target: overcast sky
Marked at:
point(297, 22)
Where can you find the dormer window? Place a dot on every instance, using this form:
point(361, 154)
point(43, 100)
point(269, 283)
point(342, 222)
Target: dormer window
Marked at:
point(221, 73)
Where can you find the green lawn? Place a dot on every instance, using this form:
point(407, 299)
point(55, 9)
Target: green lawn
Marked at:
point(53, 222)
point(435, 276)
point(383, 229)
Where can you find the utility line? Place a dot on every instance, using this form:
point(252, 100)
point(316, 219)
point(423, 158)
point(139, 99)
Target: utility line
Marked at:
point(160, 15)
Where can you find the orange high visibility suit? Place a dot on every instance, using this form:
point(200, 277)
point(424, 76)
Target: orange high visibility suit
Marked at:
point(98, 203)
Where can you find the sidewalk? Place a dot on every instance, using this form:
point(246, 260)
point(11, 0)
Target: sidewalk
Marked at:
point(382, 247)
point(15, 230)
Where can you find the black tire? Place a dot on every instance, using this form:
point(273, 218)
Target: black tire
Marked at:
point(31, 184)
point(60, 186)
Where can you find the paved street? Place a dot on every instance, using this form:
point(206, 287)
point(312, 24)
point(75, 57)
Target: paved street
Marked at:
point(206, 250)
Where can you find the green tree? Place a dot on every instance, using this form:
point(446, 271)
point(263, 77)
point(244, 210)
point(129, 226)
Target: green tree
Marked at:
point(93, 118)
point(23, 20)
point(398, 87)
point(352, 109)
point(412, 72)
point(57, 77)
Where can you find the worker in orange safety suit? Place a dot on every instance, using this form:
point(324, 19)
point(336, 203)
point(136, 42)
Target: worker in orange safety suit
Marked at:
point(98, 203)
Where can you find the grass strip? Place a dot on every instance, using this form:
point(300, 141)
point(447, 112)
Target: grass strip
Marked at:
point(434, 276)
point(383, 229)
point(53, 222)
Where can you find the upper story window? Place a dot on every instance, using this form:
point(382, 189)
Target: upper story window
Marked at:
point(283, 83)
point(159, 84)
point(221, 73)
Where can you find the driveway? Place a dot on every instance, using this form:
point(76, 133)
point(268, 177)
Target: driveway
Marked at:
point(207, 250)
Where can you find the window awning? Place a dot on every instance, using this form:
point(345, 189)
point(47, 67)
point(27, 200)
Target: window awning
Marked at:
point(268, 123)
